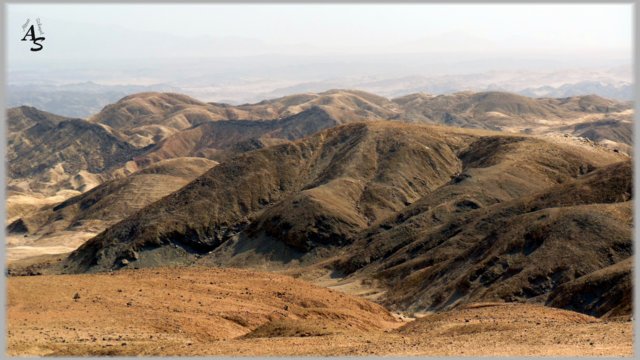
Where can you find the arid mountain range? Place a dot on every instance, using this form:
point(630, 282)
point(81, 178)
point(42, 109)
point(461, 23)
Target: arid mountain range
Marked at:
point(69, 94)
point(422, 203)
point(147, 127)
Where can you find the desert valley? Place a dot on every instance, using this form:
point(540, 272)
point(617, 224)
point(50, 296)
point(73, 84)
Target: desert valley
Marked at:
point(331, 223)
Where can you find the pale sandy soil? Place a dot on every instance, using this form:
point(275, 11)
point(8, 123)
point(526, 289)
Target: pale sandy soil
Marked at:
point(205, 311)
point(21, 204)
point(20, 247)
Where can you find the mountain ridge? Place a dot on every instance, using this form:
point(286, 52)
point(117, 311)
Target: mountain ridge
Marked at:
point(368, 189)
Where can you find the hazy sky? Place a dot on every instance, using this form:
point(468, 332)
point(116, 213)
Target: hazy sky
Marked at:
point(211, 30)
point(217, 43)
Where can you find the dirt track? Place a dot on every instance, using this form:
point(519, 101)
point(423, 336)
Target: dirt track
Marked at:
point(198, 311)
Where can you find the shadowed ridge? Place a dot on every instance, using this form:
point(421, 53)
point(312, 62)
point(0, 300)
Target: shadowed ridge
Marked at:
point(518, 250)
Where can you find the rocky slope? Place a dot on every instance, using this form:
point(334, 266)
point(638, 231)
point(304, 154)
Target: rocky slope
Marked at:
point(498, 110)
point(151, 117)
point(436, 216)
point(338, 181)
point(112, 200)
point(517, 250)
point(52, 158)
point(47, 153)
point(441, 216)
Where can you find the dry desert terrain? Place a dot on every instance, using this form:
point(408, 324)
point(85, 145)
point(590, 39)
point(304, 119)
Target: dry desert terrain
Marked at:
point(206, 311)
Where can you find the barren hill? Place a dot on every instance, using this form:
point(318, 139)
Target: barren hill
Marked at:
point(62, 226)
point(500, 110)
point(46, 153)
point(113, 200)
point(607, 129)
point(221, 139)
point(441, 216)
point(605, 293)
point(341, 179)
point(435, 216)
point(343, 105)
point(24, 117)
point(50, 155)
point(150, 117)
point(519, 250)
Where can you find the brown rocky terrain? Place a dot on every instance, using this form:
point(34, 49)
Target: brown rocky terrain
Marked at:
point(583, 118)
point(52, 158)
point(440, 216)
point(83, 216)
point(47, 153)
point(149, 127)
point(604, 293)
point(500, 110)
point(519, 250)
point(113, 200)
point(341, 180)
point(219, 140)
point(205, 311)
point(481, 227)
point(151, 117)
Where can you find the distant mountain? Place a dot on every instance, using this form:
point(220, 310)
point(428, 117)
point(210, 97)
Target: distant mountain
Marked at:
point(622, 92)
point(586, 118)
point(500, 110)
point(144, 128)
point(46, 152)
point(221, 139)
point(78, 100)
point(150, 117)
point(67, 96)
point(605, 82)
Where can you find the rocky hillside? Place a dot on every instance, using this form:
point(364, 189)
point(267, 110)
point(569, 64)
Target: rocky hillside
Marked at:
point(111, 201)
point(150, 117)
point(434, 216)
point(438, 254)
point(440, 216)
point(47, 153)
